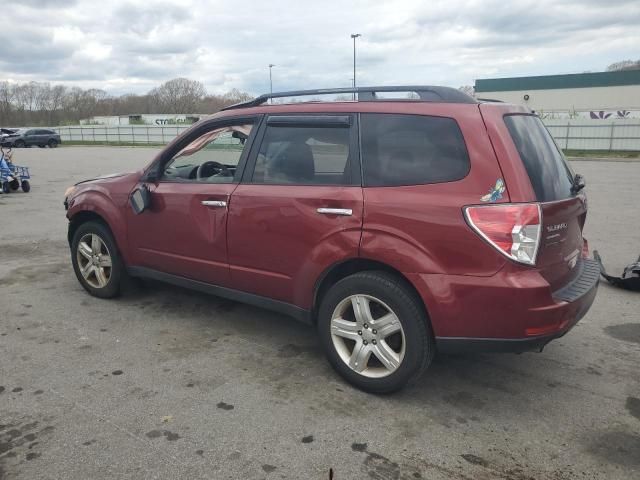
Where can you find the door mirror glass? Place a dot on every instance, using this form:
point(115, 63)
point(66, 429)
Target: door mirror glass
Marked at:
point(140, 199)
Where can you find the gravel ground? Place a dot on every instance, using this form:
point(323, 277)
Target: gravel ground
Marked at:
point(166, 383)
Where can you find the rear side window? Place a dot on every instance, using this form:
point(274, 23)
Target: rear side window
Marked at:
point(551, 177)
point(304, 156)
point(411, 150)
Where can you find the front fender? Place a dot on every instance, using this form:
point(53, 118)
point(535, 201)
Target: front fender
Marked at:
point(100, 202)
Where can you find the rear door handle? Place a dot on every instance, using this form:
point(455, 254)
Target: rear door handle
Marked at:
point(214, 203)
point(336, 211)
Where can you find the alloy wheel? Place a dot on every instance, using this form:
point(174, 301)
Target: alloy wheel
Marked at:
point(94, 260)
point(368, 336)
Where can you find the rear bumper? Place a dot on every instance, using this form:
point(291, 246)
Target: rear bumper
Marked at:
point(513, 311)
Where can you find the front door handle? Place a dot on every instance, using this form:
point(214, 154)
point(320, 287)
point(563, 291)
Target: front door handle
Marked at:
point(214, 203)
point(335, 211)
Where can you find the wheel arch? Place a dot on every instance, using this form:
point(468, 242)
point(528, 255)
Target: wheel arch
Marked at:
point(83, 216)
point(340, 270)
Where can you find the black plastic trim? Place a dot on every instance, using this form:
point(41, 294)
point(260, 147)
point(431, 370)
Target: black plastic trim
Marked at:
point(309, 121)
point(586, 279)
point(492, 345)
point(289, 309)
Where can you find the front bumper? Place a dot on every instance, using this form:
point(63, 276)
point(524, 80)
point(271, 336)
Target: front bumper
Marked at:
point(513, 311)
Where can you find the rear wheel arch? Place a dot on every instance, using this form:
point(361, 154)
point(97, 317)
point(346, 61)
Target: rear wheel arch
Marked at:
point(341, 270)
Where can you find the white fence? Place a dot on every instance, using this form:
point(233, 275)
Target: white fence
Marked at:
point(141, 134)
point(579, 134)
point(596, 135)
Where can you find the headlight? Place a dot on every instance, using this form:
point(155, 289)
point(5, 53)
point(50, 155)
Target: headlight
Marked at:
point(69, 191)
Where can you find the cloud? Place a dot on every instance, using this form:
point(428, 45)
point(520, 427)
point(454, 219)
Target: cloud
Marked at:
point(131, 46)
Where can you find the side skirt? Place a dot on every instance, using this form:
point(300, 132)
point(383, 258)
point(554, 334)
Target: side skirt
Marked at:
point(294, 311)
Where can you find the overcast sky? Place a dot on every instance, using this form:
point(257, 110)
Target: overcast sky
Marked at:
point(131, 46)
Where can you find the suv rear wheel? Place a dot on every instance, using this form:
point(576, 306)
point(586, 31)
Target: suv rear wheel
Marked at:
point(96, 260)
point(375, 332)
point(53, 143)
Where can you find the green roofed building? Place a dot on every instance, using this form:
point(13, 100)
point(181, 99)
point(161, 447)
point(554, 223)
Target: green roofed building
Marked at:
point(597, 95)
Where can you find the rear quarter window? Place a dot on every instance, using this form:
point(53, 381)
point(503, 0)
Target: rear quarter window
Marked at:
point(550, 176)
point(411, 150)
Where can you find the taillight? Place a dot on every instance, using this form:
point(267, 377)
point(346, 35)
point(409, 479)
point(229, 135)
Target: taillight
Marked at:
point(513, 229)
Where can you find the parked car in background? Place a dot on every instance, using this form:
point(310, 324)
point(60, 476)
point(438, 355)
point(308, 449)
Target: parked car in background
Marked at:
point(29, 137)
point(395, 227)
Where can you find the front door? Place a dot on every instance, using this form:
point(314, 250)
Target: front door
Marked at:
point(299, 207)
point(183, 232)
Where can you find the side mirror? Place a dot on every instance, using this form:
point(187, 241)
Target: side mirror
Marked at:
point(140, 199)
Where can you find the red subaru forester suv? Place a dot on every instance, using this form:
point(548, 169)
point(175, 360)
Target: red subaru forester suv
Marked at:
point(397, 227)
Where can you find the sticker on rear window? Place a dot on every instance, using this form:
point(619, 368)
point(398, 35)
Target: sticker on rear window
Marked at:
point(495, 193)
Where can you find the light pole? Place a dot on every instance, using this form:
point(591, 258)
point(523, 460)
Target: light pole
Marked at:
point(354, 36)
point(271, 65)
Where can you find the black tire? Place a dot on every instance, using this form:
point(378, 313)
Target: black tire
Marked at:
point(401, 299)
point(14, 185)
point(19, 144)
point(117, 272)
point(5, 187)
point(26, 186)
point(53, 143)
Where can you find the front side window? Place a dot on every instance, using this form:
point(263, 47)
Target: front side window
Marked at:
point(212, 158)
point(411, 150)
point(304, 156)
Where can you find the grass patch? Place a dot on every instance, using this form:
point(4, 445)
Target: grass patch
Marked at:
point(603, 153)
point(112, 144)
point(140, 144)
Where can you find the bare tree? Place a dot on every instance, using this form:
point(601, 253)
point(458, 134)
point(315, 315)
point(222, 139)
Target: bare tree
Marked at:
point(37, 103)
point(179, 95)
point(468, 89)
point(624, 65)
point(6, 102)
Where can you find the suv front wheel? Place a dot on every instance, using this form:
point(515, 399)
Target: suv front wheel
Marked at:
point(375, 332)
point(96, 261)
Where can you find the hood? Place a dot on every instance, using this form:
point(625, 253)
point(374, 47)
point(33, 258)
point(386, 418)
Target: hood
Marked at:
point(105, 177)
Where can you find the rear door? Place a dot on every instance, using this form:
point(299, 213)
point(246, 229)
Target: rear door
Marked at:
point(299, 207)
point(530, 153)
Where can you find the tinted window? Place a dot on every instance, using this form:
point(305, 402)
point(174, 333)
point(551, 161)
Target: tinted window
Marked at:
point(411, 150)
point(550, 175)
point(303, 156)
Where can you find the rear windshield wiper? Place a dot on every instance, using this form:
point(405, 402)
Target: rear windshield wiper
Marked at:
point(577, 183)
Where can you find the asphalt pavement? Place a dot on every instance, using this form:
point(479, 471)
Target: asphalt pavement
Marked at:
point(165, 383)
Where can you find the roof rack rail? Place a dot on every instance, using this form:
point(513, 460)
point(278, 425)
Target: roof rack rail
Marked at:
point(368, 94)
